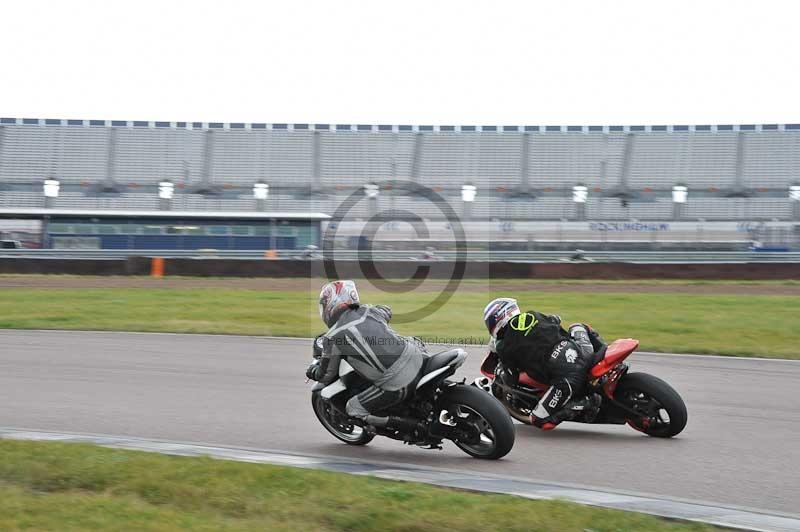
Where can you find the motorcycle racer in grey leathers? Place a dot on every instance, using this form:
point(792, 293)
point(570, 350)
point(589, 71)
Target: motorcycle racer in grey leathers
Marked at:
point(361, 335)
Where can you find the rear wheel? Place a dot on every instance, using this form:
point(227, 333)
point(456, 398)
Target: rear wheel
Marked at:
point(663, 411)
point(485, 418)
point(338, 425)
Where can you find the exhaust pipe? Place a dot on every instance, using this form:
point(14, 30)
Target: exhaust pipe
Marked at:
point(484, 384)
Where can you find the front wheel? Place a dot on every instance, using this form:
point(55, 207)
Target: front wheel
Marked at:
point(481, 415)
point(338, 425)
point(663, 411)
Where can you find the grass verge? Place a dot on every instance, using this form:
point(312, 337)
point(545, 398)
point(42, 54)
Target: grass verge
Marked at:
point(760, 325)
point(467, 282)
point(56, 486)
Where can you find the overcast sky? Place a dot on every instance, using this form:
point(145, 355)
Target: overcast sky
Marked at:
point(412, 62)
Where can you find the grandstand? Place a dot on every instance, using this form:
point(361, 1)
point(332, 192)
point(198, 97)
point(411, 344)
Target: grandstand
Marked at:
point(732, 172)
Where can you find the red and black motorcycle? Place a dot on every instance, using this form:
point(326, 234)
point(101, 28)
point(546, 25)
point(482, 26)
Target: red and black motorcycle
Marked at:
point(646, 403)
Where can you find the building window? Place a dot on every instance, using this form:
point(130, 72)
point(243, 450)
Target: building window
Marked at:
point(107, 229)
point(85, 229)
point(60, 228)
point(217, 229)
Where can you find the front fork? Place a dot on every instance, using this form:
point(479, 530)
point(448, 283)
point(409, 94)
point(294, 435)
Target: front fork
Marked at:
point(608, 382)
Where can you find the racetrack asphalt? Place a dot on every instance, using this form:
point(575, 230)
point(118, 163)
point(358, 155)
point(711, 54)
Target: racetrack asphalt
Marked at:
point(741, 446)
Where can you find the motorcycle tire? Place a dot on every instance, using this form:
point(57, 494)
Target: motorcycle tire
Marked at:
point(471, 401)
point(645, 392)
point(356, 434)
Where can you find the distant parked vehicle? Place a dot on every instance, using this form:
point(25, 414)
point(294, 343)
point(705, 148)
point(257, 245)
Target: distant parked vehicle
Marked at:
point(10, 244)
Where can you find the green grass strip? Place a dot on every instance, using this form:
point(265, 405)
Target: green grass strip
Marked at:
point(743, 325)
point(57, 486)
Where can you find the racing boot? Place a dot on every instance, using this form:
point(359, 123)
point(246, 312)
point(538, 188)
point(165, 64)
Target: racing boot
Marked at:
point(583, 410)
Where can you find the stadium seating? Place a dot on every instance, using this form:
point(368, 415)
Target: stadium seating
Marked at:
point(310, 168)
point(351, 159)
point(487, 160)
point(566, 159)
point(771, 160)
point(699, 159)
point(34, 153)
point(242, 157)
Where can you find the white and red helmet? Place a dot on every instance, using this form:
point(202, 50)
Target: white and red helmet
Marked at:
point(335, 298)
point(498, 312)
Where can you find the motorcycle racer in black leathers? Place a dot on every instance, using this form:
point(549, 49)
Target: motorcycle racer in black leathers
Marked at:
point(361, 335)
point(537, 344)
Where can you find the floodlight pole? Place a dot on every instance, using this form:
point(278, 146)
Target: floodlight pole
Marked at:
point(677, 210)
point(467, 212)
point(372, 191)
point(580, 211)
point(580, 194)
point(51, 190)
point(794, 197)
point(45, 229)
point(165, 191)
point(680, 195)
point(260, 194)
point(468, 193)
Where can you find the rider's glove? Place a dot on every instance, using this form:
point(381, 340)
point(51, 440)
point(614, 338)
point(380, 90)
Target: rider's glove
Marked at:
point(594, 337)
point(311, 372)
point(319, 345)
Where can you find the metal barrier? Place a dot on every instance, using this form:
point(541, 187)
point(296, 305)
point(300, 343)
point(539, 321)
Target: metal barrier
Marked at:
point(644, 257)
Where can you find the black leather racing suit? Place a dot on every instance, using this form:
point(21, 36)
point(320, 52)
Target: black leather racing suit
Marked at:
point(537, 344)
point(391, 362)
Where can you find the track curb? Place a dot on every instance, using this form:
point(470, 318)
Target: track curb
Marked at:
point(725, 516)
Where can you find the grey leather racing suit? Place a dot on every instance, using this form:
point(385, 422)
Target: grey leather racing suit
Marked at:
point(391, 362)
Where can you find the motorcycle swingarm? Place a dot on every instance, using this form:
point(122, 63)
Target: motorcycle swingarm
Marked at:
point(437, 430)
point(621, 407)
point(608, 415)
point(434, 442)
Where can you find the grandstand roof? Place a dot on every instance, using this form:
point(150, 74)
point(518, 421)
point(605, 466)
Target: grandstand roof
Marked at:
point(402, 128)
point(116, 213)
